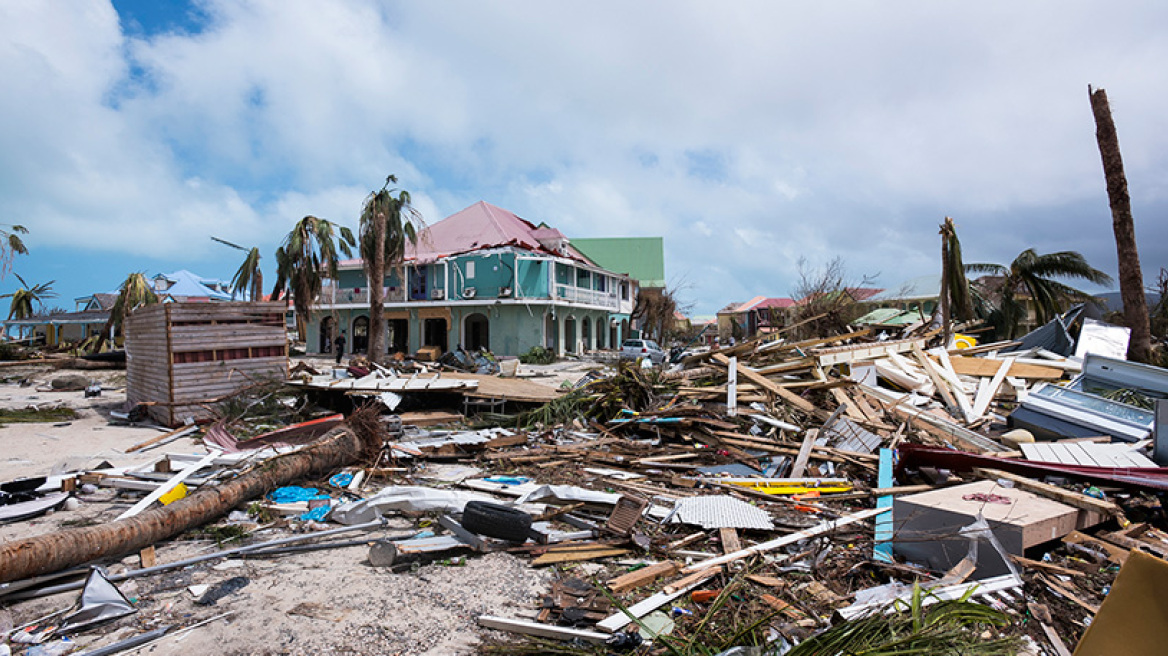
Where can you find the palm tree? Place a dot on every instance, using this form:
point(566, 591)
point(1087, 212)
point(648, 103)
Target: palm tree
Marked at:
point(1035, 275)
point(309, 250)
point(133, 294)
point(1131, 279)
point(387, 225)
point(24, 298)
point(11, 245)
point(249, 277)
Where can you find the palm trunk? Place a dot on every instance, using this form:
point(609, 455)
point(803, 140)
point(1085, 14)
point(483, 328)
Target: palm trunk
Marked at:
point(945, 273)
point(53, 552)
point(376, 287)
point(1131, 280)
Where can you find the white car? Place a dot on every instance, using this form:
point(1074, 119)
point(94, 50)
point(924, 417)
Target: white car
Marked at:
point(632, 349)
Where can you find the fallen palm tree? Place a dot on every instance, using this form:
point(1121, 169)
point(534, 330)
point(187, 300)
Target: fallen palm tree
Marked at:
point(68, 548)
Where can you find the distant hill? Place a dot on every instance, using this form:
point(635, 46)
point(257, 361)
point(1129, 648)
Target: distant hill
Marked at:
point(1114, 302)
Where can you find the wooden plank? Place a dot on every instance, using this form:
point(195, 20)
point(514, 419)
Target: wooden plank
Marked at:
point(769, 385)
point(939, 383)
point(982, 402)
point(643, 576)
point(176, 433)
point(553, 557)
point(819, 529)
point(730, 541)
point(1115, 553)
point(1053, 492)
point(800, 465)
point(169, 485)
point(621, 618)
point(987, 367)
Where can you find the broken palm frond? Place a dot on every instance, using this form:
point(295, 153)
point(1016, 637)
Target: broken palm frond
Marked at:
point(256, 408)
point(948, 627)
point(600, 400)
point(34, 414)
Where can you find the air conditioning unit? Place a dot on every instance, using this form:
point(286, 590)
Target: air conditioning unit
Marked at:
point(469, 292)
point(504, 292)
point(437, 294)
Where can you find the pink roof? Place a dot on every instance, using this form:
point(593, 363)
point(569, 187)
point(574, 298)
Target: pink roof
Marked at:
point(762, 303)
point(483, 225)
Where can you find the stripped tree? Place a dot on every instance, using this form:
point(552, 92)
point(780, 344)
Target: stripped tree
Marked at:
point(1131, 279)
point(956, 299)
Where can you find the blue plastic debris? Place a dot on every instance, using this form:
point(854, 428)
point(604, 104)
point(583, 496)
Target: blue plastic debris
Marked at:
point(341, 480)
point(294, 494)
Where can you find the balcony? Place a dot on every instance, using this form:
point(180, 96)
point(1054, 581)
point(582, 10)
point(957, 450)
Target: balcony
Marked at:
point(332, 296)
point(586, 296)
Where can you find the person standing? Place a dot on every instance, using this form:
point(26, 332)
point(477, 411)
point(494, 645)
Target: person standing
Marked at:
point(339, 344)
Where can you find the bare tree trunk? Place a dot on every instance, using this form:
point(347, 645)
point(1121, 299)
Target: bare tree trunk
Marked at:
point(376, 289)
point(1131, 281)
point(53, 552)
point(945, 273)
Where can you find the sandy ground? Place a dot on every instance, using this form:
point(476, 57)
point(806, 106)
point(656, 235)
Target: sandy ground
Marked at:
point(330, 601)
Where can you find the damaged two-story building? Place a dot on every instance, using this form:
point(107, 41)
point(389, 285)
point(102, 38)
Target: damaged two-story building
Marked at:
point(482, 278)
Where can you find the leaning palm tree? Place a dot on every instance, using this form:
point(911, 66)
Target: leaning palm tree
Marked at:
point(387, 225)
point(24, 298)
point(1034, 275)
point(309, 253)
point(249, 279)
point(133, 294)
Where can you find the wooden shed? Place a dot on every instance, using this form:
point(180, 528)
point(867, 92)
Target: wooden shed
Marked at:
point(179, 356)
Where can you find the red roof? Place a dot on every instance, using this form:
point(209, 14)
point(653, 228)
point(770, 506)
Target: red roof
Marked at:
point(483, 225)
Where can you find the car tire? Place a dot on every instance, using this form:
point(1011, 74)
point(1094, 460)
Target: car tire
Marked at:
point(496, 521)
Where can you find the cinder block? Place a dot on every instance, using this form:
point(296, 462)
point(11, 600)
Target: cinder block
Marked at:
point(927, 524)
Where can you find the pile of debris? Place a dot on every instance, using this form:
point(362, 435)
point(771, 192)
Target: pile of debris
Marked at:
point(837, 495)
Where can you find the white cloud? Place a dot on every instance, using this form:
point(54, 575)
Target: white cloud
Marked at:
point(747, 135)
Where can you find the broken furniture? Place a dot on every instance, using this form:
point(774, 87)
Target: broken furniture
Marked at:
point(927, 525)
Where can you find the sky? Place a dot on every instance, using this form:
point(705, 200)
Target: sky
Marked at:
point(751, 135)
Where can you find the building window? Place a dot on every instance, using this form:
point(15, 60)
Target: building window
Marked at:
point(470, 270)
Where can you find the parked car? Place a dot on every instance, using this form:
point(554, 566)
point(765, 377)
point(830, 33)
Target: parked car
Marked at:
point(632, 349)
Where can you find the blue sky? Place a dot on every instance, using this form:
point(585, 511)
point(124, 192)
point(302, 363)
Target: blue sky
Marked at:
point(748, 134)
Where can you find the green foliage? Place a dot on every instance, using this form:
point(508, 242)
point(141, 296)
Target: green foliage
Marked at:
point(33, 414)
point(946, 628)
point(1035, 275)
point(387, 226)
point(11, 245)
point(309, 254)
point(24, 298)
point(538, 355)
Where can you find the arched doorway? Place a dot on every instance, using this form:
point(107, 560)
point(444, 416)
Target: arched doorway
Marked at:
point(476, 332)
point(328, 329)
point(585, 334)
point(360, 335)
point(600, 333)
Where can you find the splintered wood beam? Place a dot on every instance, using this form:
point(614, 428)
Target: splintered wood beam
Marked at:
point(772, 387)
point(643, 576)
